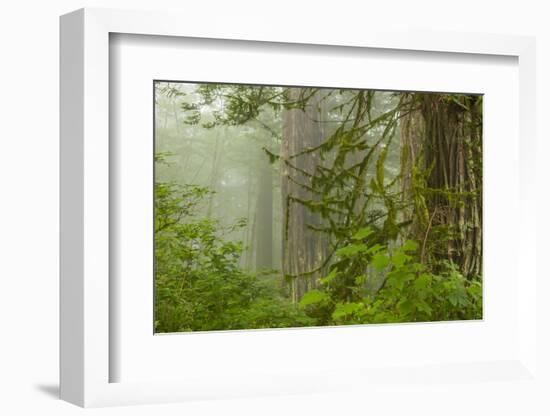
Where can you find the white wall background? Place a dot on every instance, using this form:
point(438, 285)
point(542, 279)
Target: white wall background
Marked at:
point(29, 188)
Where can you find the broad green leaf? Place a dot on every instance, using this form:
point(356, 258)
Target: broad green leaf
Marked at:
point(399, 259)
point(409, 245)
point(458, 296)
point(345, 309)
point(423, 281)
point(375, 249)
point(329, 278)
point(312, 297)
point(380, 261)
point(351, 250)
point(422, 306)
point(398, 278)
point(406, 306)
point(362, 233)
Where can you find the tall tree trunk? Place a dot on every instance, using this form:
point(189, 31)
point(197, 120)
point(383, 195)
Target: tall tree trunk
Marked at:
point(441, 139)
point(216, 171)
point(264, 212)
point(304, 250)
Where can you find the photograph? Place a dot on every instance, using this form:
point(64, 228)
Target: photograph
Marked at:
point(303, 206)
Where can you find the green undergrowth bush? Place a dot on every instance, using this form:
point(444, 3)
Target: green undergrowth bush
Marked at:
point(198, 283)
point(405, 290)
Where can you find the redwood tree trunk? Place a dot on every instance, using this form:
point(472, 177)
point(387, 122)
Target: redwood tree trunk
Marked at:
point(441, 170)
point(304, 250)
point(264, 212)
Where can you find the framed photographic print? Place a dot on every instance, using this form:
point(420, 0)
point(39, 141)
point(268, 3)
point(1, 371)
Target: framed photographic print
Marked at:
point(281, 207)
point(271, 214)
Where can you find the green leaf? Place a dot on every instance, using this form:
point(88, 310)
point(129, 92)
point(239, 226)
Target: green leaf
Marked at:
point(422, 306)
point(406, 306)
point(458, 297)
point(423, 281)
point(475, 290)
point(375, 249)
point(398, 278)
point(346, 309)
point(362, 233)
point(351, 250)
point(409, 245)
point(399, 259)
point(361, 279)
point(329, 278)
point(312, 297)
point(380, 261)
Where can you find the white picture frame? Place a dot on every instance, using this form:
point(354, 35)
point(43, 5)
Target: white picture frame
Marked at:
point(85, 217)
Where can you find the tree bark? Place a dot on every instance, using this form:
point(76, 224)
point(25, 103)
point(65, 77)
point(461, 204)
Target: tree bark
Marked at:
point(304, 250)
point(442, 139)
point(216, 171)
point(264, 212)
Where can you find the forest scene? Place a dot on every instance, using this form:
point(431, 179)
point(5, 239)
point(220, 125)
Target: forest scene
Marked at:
point(284, 207)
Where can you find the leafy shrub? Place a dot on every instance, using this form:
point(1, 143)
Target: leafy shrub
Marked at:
point(198, 284)
point(406, 290)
